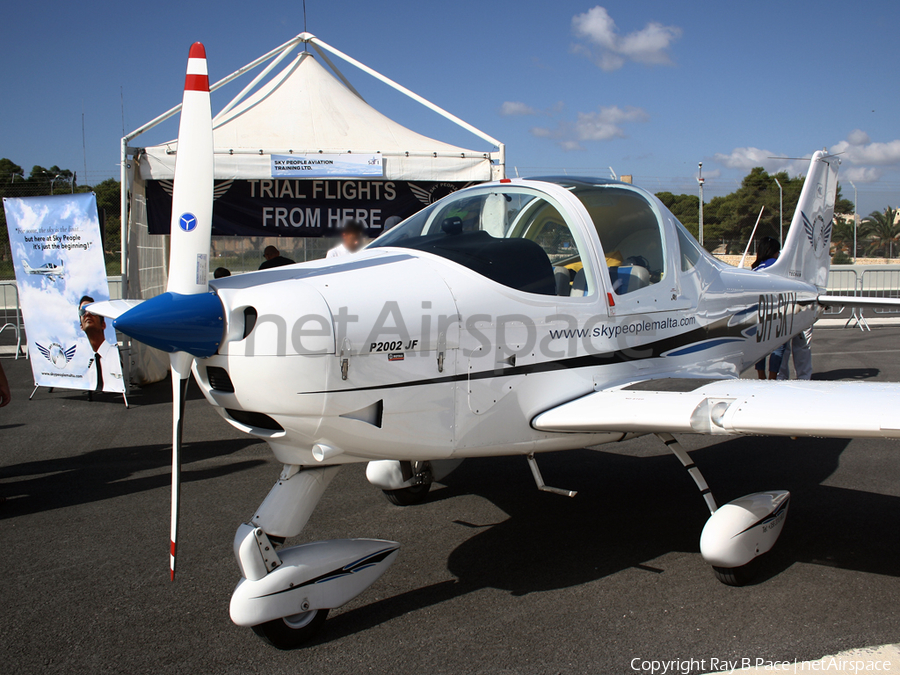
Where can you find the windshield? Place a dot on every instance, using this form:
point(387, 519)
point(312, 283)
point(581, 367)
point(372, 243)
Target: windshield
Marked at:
point(516, 237)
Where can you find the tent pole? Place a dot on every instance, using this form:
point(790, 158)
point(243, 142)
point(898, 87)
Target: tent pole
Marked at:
point(256, 80)
point(221, 83)
point(336, 71)
point(403, 90)
point(123, 216)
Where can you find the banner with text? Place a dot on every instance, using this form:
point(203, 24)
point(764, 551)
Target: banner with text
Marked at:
point(286, 207)
point(58, 259)
point(320, 165)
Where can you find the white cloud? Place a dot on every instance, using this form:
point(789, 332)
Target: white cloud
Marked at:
point(601, 125)
point(516, 108)
point(860, 174)
point(519, 109)
point(858, 149)
point(611, 50)
point(750, 157)
point(858, 137)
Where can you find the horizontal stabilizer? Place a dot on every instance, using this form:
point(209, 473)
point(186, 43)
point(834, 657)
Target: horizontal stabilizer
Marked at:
point(857, 301)
point(112, 309)
point(733, 407)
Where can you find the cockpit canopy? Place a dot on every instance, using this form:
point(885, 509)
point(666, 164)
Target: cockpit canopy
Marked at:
point(524, 239)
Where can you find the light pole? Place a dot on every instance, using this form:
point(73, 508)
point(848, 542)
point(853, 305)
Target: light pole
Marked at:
point(855, 209)
point(780, 213)
point(700, 183)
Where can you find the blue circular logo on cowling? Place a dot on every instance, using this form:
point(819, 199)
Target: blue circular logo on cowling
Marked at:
point(188, 222)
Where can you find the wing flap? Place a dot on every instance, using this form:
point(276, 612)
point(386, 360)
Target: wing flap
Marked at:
point(736, 407)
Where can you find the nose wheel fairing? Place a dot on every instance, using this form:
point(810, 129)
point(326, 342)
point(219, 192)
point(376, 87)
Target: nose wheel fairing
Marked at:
point(316, 576)
point(305, 580)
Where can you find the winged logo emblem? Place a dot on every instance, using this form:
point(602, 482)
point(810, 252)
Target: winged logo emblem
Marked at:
point(56, 354)
point(817, 231)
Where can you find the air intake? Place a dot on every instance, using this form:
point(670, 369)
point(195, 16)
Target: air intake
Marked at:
point(254, 419)
point(219, 380)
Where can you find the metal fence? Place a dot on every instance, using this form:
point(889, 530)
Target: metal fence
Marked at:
point(11, 314)
point(884, 283)
point(876, 281)
point(843, 282)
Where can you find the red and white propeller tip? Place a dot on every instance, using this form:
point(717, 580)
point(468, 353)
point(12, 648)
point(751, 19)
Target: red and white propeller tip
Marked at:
point(197, 78)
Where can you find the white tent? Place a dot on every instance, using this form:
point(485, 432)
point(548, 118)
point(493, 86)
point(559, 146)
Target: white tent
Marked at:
point(303, 109)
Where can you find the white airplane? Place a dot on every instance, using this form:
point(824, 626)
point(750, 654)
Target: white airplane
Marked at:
point(510, 318)
point(49, 270)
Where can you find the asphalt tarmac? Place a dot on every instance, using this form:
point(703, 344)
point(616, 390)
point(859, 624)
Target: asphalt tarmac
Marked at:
point(493, 576)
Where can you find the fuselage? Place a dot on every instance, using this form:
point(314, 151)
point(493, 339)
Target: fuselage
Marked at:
point(431, 344)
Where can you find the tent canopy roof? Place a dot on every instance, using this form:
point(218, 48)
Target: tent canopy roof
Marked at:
point(305, 109)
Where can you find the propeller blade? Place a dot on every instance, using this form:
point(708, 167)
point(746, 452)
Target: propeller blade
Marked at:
point(181, 372)
point(192, 197)
point(191, 231)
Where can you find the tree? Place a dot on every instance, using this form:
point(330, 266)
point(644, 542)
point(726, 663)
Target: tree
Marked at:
point(44, 181)
point(684, 207)
point(841, 205)
point(108, 205)
point(881, 230)
point(731, 218)
point(842, 235)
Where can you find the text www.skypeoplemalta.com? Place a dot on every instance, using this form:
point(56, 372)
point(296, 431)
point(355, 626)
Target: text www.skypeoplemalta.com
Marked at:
point(634, 328)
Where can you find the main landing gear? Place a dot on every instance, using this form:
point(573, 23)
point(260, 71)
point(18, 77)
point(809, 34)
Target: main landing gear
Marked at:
point(739, 532)
point(408, 483)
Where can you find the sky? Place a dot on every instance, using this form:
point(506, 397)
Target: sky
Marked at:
point(646, 88)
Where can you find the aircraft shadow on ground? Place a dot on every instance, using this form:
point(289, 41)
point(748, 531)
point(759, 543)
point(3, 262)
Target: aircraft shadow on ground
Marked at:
point(631, 510)
point(32, 487)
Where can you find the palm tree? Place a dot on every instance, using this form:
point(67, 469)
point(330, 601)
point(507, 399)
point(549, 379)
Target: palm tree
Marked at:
point(842, 235)
point(882, 230)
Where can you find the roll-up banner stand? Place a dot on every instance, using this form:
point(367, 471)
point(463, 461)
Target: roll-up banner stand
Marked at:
point(58, 259)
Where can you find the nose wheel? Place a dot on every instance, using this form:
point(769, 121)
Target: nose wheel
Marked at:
point(291, 632)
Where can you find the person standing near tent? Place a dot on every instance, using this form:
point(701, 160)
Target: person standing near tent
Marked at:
point(767, 251)
point(273, 258)
point(353, 235)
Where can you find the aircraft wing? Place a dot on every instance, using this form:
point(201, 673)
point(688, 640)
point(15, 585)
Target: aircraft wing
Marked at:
point(857, 301)
point(735, 407)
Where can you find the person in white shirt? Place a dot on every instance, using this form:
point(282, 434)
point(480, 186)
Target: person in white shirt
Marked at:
point(353, 234)
point(105, 368)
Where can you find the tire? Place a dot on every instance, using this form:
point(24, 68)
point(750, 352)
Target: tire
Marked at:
point(408, 496)
point(292, 631)
point(738, 576)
